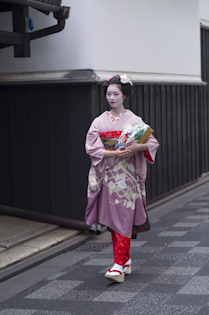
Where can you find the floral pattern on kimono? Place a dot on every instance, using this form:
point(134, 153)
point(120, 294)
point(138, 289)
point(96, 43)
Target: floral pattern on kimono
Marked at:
point(122, 181)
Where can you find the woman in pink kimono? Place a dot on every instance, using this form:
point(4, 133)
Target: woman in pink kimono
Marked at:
point(116, 189)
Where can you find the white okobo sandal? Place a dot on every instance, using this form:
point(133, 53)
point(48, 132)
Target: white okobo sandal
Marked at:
point(95, 229)
point(127, 267)
point(98, 229)
point(115, 273)
point(92, 229)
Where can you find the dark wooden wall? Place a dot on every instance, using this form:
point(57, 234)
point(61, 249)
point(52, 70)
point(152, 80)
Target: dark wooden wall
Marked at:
point(204, 102)
point(44, 167)
point(172, 111)
point(43, 162)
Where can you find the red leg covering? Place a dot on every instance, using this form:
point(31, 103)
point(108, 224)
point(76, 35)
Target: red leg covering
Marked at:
point(121, 248)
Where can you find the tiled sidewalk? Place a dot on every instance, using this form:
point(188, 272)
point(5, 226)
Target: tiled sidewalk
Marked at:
point(170, 273)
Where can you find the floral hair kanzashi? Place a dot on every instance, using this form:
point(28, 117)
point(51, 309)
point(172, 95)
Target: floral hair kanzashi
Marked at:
point(124, 79)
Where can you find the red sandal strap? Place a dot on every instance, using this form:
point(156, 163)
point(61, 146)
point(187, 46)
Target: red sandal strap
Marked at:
point(115, 271)
point(126, 266)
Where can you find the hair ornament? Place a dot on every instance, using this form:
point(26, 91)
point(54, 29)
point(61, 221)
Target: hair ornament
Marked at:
point(124, 79)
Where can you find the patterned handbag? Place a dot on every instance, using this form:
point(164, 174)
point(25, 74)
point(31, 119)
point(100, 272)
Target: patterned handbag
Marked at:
point(141, 228)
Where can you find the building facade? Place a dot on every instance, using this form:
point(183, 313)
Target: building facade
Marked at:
point(49, 100)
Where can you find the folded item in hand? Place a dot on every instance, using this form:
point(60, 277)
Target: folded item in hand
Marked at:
point(138, 133)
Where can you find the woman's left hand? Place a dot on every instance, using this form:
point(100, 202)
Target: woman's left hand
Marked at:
point(135, 147)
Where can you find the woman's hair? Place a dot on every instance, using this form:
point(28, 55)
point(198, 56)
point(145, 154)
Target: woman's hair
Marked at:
point(126, 88)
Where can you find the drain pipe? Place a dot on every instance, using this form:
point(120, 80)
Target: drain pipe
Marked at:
point(48, 30)
point(60, 13)
point(36, 216)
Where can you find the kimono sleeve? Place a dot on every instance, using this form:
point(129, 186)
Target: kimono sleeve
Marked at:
point(94, 146)
point(152, 144)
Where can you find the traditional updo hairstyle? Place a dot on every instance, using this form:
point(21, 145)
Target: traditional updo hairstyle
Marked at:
point(126, 88)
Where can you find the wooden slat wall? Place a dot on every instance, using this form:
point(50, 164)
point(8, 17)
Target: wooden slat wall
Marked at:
point(43, 162)
point(43, 128)
point(204, 102)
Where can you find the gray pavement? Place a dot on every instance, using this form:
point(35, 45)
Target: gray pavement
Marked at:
point(21, 239)
point(170, 268)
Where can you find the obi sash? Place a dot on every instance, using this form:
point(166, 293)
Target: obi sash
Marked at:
point(112, 140)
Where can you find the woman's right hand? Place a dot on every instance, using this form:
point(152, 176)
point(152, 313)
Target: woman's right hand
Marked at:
point(123, 153)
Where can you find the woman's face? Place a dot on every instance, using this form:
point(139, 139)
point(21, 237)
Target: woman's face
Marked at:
point(114, 96)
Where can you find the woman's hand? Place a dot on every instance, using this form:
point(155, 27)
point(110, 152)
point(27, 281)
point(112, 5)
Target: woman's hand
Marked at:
point(135, 147)
point(123, 153)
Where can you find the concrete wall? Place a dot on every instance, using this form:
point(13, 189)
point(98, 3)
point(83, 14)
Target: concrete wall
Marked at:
point(145, 37)
point(204, 11)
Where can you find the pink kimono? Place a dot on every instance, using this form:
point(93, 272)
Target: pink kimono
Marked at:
point(116, 187)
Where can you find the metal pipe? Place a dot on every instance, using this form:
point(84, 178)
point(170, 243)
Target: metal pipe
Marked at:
point(37, 216)
point(48, 30)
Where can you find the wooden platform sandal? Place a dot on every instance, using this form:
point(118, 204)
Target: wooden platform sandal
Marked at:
point(127, 267)
point(115, 273)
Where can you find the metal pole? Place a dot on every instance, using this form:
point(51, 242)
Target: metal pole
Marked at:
point(37, 216)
